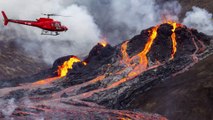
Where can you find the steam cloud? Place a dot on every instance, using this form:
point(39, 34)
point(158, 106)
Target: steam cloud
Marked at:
point(117, 20)
point(7, 107)
point(200, 19)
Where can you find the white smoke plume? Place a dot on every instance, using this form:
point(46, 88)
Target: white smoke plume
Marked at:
point(142, 14)
point(122, 19)
point(170, 10)
point(135, 14)
point(200, 19)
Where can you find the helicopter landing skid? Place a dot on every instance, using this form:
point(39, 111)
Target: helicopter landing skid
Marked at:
point(45, 32)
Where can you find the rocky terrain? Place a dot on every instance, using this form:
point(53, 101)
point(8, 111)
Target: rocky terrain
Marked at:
point(111, 81)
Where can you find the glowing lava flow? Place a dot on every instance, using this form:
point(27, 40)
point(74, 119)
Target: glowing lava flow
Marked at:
point(173, 36)
point(148, 46)
point(63, 70)
point(174, 43)
point(143, 55)
point(125, 56)
point(46, 81)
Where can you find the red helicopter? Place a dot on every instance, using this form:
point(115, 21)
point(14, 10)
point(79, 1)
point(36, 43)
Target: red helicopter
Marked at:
point(48, 25)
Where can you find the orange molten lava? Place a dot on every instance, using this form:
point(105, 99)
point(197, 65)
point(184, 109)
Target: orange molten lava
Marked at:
point(63, 70)
point(174, 43)
point(173, 36)
point(148, 45)
point(103, 43)
point(125, 56)
point(84, 63)
point(46, 81)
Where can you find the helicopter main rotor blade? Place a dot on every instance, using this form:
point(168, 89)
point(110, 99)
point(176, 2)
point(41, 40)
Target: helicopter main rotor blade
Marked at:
point(63, 16)
point(56, 15)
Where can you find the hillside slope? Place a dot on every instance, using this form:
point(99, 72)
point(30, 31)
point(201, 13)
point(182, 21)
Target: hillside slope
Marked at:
point(14, 62)
point(187, 96)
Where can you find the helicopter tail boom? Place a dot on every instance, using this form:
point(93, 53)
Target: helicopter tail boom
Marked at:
point(6, 20)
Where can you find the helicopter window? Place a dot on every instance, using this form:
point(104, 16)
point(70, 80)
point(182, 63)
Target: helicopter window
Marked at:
point(56, 25)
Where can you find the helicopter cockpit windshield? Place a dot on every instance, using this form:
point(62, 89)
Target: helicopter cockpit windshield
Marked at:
point(57, 25)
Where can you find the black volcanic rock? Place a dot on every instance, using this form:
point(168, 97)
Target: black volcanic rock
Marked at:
point(162, 47)
point(137, 43)
point(165, 30)
point(99, 54)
